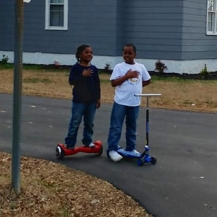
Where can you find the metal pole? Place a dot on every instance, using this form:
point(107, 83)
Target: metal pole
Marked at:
point(147, 111)
point(17, 95)
point(147, 121)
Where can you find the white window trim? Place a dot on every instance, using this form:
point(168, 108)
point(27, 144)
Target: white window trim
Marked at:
point(47, 17)
point(215, 20)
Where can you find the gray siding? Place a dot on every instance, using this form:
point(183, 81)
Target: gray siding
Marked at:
point(195, 43)
point(90, 22)
point(161, 29)
point(155, 26)
point(95, 23)
point(7, 25)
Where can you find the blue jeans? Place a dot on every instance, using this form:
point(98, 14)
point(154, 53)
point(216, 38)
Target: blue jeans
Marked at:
point(119, 112)
point(79, 110)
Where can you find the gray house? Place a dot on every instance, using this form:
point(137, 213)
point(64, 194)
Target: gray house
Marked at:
point(180, 33)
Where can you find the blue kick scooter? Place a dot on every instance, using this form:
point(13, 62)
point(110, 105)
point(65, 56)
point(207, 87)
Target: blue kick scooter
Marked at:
point(143, 157)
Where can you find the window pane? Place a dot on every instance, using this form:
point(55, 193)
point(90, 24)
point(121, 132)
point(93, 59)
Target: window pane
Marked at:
point(211, 5)
point(57, 1)
point(56, 15)
point(210, 27)
point(215, 24)
point(211, 19)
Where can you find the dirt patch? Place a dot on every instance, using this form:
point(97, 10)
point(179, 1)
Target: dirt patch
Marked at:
point(49, 189)
point(177, 93)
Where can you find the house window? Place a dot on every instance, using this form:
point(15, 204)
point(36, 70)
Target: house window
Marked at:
point(56, 15)
point(212, 17)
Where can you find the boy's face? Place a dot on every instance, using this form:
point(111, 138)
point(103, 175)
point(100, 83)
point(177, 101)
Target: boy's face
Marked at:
point(129, 54)
point(87, 54)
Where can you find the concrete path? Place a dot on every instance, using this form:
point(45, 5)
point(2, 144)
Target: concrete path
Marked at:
point(183, 183)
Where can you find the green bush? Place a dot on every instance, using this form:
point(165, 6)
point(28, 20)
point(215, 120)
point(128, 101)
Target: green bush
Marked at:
point(4, 60)
point(204, 72)
point(160, 67)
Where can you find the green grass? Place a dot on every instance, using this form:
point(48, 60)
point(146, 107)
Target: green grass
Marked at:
point(6, 66)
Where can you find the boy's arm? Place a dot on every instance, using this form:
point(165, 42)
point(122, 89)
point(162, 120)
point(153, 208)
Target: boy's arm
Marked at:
point(145, 83)
point(121, 80)
point(146, 77)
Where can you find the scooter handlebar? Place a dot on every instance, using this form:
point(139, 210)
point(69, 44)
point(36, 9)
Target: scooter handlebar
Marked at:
point(148, 94)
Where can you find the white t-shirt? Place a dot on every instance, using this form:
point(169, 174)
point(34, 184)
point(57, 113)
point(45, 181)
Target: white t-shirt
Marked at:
point(124, 93)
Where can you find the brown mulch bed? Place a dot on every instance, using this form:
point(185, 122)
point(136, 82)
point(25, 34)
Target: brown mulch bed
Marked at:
point(53, 190)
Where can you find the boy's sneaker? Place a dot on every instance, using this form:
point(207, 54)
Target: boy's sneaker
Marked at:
point(115, 156)
point(135, 152)
point(91, 145)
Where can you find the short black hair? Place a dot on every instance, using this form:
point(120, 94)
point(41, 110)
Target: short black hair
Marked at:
point(130, 45)
point(80, 49)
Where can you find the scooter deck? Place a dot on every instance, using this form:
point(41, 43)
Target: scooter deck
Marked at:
point(141, 158)
point(128, 154)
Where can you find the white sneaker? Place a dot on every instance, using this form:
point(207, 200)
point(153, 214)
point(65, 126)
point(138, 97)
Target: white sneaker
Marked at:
point(91, 145)
point(135, 152)
point(115, 156)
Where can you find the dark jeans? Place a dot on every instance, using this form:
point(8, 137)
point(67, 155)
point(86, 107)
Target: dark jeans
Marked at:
point(79, 110)
point(119, 112)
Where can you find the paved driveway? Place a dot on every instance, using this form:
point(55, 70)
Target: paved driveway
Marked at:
point(182, 184)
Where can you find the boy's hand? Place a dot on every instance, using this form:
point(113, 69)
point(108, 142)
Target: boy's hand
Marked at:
point(132, 74)
point(87, 72)
point(98, 103)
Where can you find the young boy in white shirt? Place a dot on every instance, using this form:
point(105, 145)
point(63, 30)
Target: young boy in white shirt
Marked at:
point(129, 77)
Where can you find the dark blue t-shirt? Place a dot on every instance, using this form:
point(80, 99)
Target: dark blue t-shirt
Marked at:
point(86, 89)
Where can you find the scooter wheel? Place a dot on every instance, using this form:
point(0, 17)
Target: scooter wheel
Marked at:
point(140, 162)
point(153, 160)
point(100, 151)
point(59, 153)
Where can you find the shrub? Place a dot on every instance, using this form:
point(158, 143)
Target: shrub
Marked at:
point(160, 67)
point(204, 72)
point(107, 69)
point(4, 59)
